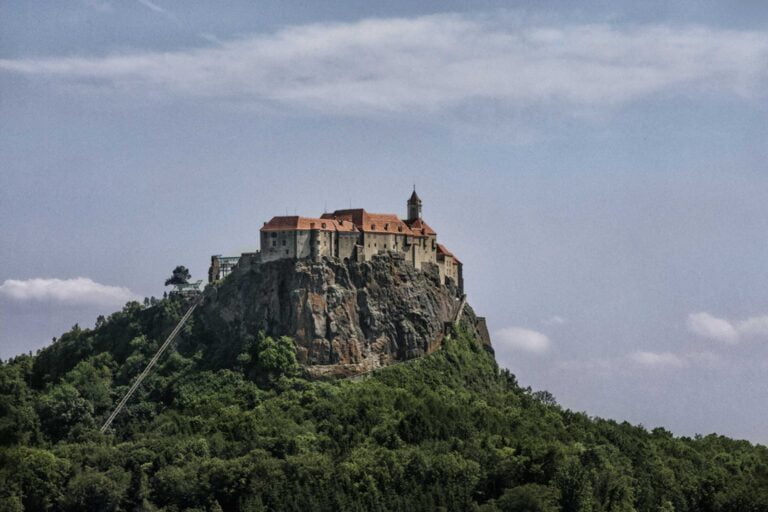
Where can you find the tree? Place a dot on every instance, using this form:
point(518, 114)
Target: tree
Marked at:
point(180, 275)
point(37, 475)
point(61, 409)
point(92, 491)
point(275, 357)
point(529, 498)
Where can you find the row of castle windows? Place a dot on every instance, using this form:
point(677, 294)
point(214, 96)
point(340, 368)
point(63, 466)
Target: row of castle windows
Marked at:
point(386, 227)
point(423, 241)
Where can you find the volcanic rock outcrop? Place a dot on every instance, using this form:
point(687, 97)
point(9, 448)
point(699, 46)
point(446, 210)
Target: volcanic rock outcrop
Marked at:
point(345, 317)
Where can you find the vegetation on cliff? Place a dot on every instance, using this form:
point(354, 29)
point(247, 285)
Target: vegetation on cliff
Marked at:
point(234, 427)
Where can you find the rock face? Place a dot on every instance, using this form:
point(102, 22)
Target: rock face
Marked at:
point(346, 318)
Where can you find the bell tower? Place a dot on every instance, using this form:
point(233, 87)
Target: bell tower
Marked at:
point(414, 206)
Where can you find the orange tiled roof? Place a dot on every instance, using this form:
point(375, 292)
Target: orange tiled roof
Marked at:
point(419, 227)
point(353, 215)
point(295, 222)
point(372, 222)
point(355, 219)
point(385, 223)
point(441, 249)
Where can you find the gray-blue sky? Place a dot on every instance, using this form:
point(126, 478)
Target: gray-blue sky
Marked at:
point(600, 170)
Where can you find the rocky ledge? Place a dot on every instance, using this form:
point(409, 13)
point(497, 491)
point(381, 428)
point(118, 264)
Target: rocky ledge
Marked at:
point(345, 317)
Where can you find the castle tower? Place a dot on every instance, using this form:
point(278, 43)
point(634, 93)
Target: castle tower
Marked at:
point(414, 206)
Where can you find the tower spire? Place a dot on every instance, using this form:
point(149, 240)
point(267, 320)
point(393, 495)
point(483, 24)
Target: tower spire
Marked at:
point(414, 206)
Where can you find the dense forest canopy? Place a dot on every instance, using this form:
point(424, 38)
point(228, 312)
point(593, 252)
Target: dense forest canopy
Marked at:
point(235, 427)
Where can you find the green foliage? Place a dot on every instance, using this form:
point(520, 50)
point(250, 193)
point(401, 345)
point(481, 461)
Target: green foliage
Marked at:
point(233, 427)
point(93, 491)
point(62, 409)
point(529, 498)
point(180, 275)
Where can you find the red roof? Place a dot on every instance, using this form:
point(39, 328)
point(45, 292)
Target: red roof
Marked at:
point(441, 249)
point(294, 222)
point(356, 219)
point(372, 222)
point(352, 215)
point(419, 227)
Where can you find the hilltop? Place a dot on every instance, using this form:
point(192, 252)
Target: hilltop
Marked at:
point(229, 419)
point(344, 317)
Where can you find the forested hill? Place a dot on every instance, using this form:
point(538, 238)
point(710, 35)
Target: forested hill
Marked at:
point(234, 427)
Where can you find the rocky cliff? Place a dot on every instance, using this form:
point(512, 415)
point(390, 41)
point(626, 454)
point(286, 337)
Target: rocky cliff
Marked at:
point(346, 318)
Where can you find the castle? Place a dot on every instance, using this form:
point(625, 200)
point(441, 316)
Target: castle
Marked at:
point(352, 234)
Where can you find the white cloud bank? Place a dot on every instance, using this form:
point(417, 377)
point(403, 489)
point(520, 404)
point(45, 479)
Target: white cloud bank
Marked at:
point(436, 62)
point(645, 361)
point(719, 329)
point(525, 340)
point(77, 291)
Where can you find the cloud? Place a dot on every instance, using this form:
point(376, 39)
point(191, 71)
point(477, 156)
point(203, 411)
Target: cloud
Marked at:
point(433, 63)
point(756, 326)
point(657, 359)
point(711, 327)
point(77, 291)
point(641, 359)
point(555, 320)
point(719, 329)
point(152, 6)
point(525, 340)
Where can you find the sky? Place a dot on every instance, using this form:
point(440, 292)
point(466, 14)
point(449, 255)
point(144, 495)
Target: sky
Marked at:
point(599, 168)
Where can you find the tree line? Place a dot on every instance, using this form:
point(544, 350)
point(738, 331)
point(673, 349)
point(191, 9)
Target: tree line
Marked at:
point(235, 426)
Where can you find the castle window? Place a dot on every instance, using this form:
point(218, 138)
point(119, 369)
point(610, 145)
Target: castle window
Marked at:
point(283, 243)
point(286, 252)
point(273, 234)
point(274, 243)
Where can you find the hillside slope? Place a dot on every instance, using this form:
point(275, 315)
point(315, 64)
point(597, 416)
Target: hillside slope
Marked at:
point(231, 425)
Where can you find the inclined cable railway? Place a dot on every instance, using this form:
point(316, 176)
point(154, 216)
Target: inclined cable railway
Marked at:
point(456, 318)
point(149, 366)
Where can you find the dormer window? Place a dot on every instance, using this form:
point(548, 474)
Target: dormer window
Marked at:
point(323, 225)
point(386, 227)
point(373, 226)
point(400, 229)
